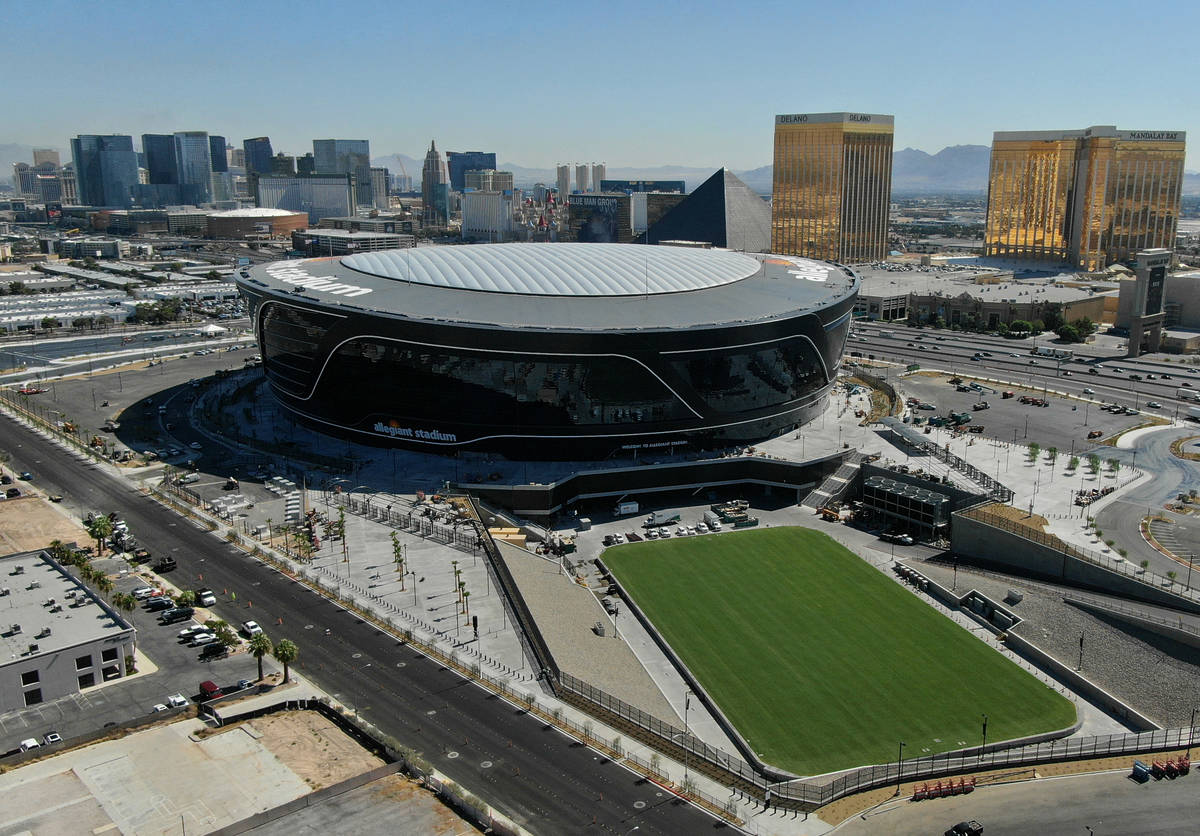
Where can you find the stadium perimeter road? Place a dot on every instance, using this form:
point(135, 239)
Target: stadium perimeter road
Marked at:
point(1107, 803)
point(536, 776)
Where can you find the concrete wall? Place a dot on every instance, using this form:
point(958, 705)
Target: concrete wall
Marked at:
point(979, 542)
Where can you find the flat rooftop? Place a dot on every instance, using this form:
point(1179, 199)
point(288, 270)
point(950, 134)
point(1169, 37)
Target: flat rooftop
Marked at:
point(979, 283)
point(42, 596)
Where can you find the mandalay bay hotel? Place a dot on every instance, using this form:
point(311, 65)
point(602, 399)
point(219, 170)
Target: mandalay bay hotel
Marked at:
point(1089, 198)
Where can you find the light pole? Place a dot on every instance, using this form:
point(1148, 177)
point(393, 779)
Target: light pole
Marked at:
point(984, 746)
point(899, 768)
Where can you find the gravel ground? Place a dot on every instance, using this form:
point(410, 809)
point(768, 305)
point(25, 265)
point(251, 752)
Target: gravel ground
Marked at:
point(1155, 675)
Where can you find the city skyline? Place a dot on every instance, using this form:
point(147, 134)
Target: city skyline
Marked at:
point(725, 107)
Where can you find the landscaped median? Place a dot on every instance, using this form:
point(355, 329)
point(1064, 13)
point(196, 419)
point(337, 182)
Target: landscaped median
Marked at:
point(821, 661)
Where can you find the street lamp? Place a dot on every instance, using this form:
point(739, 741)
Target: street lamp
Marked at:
point(984, 746)
point(899, 767)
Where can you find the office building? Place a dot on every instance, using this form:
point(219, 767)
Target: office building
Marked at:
point(526, 348)
point(599, 173)
point(487, 180)
point(283, 165)
point(318, 196)
point(25, 180)
point(345, 156)
point(458, 163)
point(1089, 198)
point(69, 184)
point(581, 178)
point(105, 169)
point(60, 637)
point(258, 155)
point(487, 216)
point(722, 212)
point(158, 152)
point(306, 164)
point(193, 159)
point(379, 188)
point(235, 157)
point(832, 186)
point(46, 156)
point(642, 186)
point(563, 181)
point(216, 152)
point(435, 186)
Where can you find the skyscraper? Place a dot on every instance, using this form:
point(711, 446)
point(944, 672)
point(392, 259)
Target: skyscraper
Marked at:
point(258, 155)
point(105, 169)
point(458, 163)
point(1089, 197)
point(346, 156)
point(216, 151)
point(159, 151)
point(379, 188)
point(581, 178)
point(435, 188)
point(193, 158)
point(599, 174)
point(46, 155)
point(563, 176)
point(832, 185)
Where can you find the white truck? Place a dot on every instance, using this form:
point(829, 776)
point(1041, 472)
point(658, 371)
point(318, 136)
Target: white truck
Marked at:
point(624, 508)
point(1188, 394)
point(1194, 413)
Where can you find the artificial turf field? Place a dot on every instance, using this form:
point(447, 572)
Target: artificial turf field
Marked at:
point(818, 659)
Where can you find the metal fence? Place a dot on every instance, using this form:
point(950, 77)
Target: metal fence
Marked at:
point(996, 490)
point(1111, 564)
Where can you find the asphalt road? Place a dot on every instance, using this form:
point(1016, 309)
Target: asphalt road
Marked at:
point(1107, 804)
point(539, 778)
point(953, 351)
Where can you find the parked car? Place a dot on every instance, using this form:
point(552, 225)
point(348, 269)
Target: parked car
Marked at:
point(206, 597)
point(51, 738)
point(12, 493)
point(30, 743)
point(216, 650)
point(176, 614)
point(159, 604)
point(188, 632)
point(177, 701)
point(201, 639)
point(1153, 404)
point(165, 564)
point(209, 690)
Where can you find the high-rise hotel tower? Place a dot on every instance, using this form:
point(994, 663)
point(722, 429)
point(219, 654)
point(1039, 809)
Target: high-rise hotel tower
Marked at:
point(832, 186)
point(1091, 197)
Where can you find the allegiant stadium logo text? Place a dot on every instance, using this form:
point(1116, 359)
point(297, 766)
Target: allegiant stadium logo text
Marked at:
point(301, 278)
point(409, 432)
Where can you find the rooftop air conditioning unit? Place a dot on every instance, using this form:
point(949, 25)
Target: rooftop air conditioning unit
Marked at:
point(19, 570)
point(45, 632)
point(16, 628)
point(33, 648)
point(35, 585)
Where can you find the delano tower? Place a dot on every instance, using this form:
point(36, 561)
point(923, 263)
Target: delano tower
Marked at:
point(832, 186)
point(1091, 197)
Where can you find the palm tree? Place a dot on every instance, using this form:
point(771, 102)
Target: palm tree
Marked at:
point(187, 598)
point(285, 653)
point(260, 646)
point(104, 582)
point(100, 528)
point(124, 601)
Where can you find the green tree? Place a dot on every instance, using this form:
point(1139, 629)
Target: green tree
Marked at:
point(100, 528)
point(1001, 328)
point(1093, 463)
point(103, 582)
point(1035, 450)
point(260, 646)
point(1114, 466)
point(1038, 326)
point(124, 601)
point(49, 323)
point(1019, 325)
point(187, 598)
point(1073, 463)
point(224, 633)
point(1068, 333)
point(1052, 317)
point(1052, 454)
point(285, 653)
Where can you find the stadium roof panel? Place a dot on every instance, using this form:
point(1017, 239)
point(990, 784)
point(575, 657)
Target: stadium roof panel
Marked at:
point(560, 269)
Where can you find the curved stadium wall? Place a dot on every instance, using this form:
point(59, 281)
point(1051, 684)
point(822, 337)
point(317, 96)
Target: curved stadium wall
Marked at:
point(393, 374)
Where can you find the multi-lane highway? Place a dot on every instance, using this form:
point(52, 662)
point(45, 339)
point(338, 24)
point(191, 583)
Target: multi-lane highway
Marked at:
point(1012, 360)
point(532, 773)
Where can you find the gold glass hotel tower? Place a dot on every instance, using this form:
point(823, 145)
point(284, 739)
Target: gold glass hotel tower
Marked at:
point(1090, 197)
point(832, 186)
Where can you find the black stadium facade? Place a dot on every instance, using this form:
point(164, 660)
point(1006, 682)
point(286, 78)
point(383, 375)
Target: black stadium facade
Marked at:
point(552, 350)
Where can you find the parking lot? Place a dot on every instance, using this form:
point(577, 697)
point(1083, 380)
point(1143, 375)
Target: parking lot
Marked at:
point(1065, 423)
point(174, 668)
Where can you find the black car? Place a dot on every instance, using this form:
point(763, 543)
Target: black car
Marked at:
point(159, 604)
point(12, 493)
point(966, 828)
point(176, 614)
point(165, 564)
point(216, 650)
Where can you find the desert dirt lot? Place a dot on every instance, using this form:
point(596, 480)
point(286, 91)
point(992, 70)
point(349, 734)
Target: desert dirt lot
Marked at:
point(179, 774)
point(30, 523)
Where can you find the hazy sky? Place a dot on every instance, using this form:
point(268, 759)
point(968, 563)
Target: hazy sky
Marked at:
point(627, 83)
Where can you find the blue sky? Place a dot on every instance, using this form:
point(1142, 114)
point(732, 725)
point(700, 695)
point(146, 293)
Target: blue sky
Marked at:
point(628, 83)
